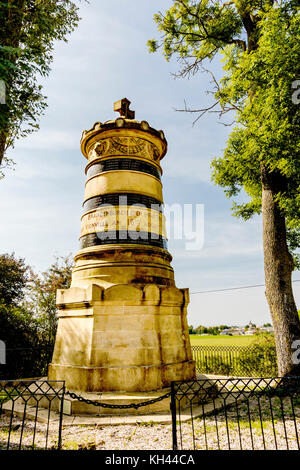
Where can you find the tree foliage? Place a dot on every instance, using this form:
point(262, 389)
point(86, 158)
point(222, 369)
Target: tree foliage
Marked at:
point(268, 128)
point(258, 42)
point(14, 275)
point(16, 323)
point(42, 293)
point(28, 31)
point(28, 314)
point(261, 357)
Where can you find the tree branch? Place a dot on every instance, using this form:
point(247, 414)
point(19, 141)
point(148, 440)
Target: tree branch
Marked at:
point(202, 111)
point(211, 109)
point(240, 42)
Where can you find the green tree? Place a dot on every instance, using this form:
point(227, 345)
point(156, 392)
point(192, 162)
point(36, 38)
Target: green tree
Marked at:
point(28, 314)
point(223, 327)
point(213, 330)
point(260, 357)
point(14, 278)
point(200, 330)
point(42, 294)
point(14, 275)
point(28, 31)
point(259, 41)
point(18, 328)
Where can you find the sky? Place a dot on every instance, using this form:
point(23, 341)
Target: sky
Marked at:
point(107, 59)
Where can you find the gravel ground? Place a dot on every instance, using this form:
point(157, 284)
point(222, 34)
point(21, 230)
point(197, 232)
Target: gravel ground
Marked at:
point(258, 423)
point(157, 436)
point(120, 437)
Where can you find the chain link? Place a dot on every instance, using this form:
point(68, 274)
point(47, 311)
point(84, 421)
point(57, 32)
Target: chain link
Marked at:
point(122, 407)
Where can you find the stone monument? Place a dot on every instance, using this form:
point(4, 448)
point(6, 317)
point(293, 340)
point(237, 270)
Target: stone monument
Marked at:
point(123, 323)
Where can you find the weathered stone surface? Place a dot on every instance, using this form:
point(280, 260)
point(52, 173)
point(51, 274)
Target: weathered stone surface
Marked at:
point(126, 341)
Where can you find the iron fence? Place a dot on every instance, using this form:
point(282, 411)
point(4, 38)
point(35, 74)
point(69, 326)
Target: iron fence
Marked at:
point(236, 414)
point(249, 361)
point(25, 414)
point(218, 414)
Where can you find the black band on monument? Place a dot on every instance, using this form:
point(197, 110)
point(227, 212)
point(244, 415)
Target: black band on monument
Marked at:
point(122, 199)
point(122, 236)
point(130, 164)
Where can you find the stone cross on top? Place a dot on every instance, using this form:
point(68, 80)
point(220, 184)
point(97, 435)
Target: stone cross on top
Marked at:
point(122, 106)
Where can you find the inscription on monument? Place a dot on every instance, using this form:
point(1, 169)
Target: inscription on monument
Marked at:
point(123, 218)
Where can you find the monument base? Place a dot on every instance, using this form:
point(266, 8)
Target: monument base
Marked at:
point(123, 338)
point(129, 379)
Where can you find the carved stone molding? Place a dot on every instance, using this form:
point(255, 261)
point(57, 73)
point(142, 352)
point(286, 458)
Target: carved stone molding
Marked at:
point(118, 145)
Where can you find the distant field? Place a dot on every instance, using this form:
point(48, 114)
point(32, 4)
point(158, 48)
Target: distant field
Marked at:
point(219, 340)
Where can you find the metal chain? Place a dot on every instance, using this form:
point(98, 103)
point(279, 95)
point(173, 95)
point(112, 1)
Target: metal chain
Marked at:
point(107, 405)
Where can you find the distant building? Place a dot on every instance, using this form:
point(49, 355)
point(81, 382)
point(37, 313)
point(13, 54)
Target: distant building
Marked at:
point(232, 332)
point(266, 329)
point(225, 332)
point(238, 332)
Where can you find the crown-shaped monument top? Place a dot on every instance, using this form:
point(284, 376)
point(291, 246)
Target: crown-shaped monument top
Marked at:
point(122, 106)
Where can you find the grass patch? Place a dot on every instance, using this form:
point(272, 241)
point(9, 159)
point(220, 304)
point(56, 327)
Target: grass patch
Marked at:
point(220, 340)
point(7, 395)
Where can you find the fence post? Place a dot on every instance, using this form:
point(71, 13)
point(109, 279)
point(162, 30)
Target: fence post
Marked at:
point(173, 413)
point(61, 416)
point(2, 352)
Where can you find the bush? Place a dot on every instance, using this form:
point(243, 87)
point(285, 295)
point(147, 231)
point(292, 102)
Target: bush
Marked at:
point(261, 359)
point(28, 314)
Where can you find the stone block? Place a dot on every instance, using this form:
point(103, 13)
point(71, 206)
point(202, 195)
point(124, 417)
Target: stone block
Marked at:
point(151, 294)
point(171, 296)
point(123, 294)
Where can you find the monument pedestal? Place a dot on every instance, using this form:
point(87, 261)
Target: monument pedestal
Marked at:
point(123, 338)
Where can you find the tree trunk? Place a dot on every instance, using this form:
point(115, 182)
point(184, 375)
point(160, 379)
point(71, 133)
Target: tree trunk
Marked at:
point(279, 265)
point(2, 145)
